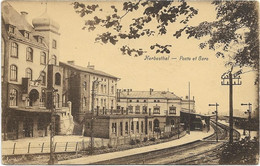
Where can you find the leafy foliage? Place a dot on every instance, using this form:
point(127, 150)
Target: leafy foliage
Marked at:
point(242, 152)
point(161, 12)
point(237, 23)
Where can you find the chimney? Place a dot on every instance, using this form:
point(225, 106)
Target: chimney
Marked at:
point(24, 14)
point(71, 62)
point(151, 90)
point(91, 66)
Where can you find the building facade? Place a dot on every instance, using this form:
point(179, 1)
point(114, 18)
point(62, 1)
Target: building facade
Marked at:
point(164, 106)
point(30, 71)
point(78, 88)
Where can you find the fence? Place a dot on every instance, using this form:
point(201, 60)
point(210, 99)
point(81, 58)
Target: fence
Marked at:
point(18, 148)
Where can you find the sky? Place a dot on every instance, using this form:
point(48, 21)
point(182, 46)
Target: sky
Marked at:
point(138, 74)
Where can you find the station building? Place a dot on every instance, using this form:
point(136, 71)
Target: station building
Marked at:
point(30, 72)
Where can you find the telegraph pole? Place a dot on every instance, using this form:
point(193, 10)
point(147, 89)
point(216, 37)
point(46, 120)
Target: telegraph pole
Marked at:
point(92, 116)
point(249, 115)
point(216, 112)
point(231, 79)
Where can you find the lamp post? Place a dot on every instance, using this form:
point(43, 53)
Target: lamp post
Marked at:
point(249, 115)
point(216, 112)
point(231, 79)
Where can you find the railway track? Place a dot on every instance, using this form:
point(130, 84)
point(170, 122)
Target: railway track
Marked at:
point(198, 152)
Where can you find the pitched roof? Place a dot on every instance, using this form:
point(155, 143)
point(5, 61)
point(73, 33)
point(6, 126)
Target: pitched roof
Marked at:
point(88, 70)
point(147, 94)
point(12, 17)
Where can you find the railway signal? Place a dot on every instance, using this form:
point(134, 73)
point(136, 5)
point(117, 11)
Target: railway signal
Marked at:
point(216, 112)
point(249, 115)
point(231, 79)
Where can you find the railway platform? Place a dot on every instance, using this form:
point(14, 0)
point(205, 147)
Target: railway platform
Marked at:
point(193, 136)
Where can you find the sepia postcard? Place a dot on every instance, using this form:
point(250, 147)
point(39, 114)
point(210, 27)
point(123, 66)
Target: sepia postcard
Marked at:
point(130, 82)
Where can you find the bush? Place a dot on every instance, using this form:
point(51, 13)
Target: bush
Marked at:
point(137, 141)
point(132, 142)
point(242, 152)
point(145, 139)
point(109, 145)
point(152, 139)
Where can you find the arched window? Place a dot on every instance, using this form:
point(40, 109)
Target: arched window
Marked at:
point(43, 78)
point(28, 73)
point(54, 60)
point(14, 50)
point(57, 79)
point(13, 97)
point(43, 58)
point(13, 73)
point(29, 54)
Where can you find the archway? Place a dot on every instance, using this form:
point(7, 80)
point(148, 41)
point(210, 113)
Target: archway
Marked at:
point(156, 124)
point(33, 96)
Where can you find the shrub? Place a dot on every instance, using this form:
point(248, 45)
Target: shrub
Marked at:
point(132, 142)
point(152, 139)
point(242, 152)
point(109, 145)
point(145, 139)
point(137, 141)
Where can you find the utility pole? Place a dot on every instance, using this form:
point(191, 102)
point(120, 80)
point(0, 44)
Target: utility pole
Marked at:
point(216, 112)
point(92, 115)
point(52, 126)
point(189, 109)
point(231, 79)
point(249, 116)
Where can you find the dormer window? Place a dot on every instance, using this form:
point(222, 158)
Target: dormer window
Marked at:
point(26, 34)
point(11, 29)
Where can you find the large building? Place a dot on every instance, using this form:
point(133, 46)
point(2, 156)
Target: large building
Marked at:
point(164, 106)
point(78, 88)
point(30, 74)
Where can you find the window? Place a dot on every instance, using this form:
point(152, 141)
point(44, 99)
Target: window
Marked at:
point(130, 109)
point(26, 34)
point(121, 128)
point(28, 73)
point(112, 89)
point(85, 101)
point(144, 109)
point(43, 78)
point(102, 88)
point(105, 103)
point(11, 29)
point(85, 85)
point(144, 101)
point(43, 99)
point(155, 101)
point(13, 73)
point(137, 127)
point(132, 127)
point(137, 109)
point(158, 101)
point(54, 44)
point(105, 88)
point(114, 128)
point(43, 58)
point(29, 54)
point(142, 126)
point(150, 125)
point(101, 102)
point(57, 79)
point(126, 127)
point(54, 60)
point(14, 50)
point(137, 101)
point(13, 97)
point(130, 101)
point(57, 103)
point(172, 110)
point(156, 110)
